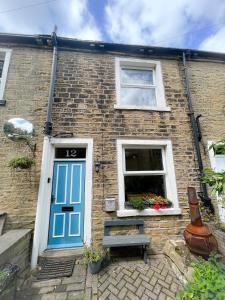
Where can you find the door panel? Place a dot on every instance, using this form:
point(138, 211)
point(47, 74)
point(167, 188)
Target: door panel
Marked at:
point(66, 226)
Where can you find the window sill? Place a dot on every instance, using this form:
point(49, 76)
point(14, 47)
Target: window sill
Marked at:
point(149, 212)
point(150, 108)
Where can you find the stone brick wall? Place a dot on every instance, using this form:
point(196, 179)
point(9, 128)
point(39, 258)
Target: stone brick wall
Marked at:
point(84, 105)
point(220, 237)
point(208, 95)
point(26, 95)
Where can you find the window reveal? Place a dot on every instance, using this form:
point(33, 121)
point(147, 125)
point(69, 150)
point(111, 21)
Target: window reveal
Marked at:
point(4, 64)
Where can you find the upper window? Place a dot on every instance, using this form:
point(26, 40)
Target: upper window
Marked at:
point(139, 84)
point(4, 64)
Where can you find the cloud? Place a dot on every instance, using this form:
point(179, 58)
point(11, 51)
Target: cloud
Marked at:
point(160, 22)
point(215, 42)
point(71, 16)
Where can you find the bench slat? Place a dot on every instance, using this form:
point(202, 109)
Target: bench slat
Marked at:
point(125, 240)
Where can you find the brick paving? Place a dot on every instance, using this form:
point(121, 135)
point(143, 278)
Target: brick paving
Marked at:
point(128, 280)
point(135, 280)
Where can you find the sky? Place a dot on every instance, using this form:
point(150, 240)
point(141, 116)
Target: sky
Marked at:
point(197, 24)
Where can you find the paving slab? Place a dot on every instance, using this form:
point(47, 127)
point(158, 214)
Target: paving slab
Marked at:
point(121, 280)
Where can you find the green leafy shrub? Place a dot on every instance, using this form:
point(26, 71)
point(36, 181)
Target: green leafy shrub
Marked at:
point(219, 147)
point(3, 276)
point(137, 203)
point(216, 180)
point(22, 162)
point(92, 254)
point(208, 281)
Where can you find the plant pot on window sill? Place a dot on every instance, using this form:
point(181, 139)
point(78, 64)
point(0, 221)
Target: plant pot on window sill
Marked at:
point(145, 201)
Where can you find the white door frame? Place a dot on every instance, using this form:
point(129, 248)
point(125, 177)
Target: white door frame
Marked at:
point(45, 187)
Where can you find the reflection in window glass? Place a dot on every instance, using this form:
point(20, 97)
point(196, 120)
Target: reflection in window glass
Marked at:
point(132, 76)
point(143, 159)
point(138, 96)
point(139, 185)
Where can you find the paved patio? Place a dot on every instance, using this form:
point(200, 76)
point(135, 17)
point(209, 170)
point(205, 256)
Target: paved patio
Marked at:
point(130, 280)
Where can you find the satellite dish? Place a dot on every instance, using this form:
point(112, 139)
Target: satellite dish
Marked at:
point(20, 130)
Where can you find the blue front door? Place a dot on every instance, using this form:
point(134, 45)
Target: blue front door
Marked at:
point(66, 226)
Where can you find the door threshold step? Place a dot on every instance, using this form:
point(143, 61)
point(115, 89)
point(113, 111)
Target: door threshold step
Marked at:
point(52, 253)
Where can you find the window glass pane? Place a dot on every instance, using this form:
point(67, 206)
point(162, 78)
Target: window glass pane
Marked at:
point(143, 159)
point(139, 185)
point(132, 76)
point(2, 56)
point(138, 96)
point(1, 67)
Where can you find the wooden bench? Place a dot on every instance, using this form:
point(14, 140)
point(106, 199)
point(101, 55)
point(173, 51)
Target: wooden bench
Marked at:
point(113, 241)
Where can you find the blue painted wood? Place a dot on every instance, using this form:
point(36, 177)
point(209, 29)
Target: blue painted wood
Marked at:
point(66, 225)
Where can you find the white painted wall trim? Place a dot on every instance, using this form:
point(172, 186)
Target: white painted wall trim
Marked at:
point(44, 194)
point(170, 178)
point(212, 159)
point(5, 70)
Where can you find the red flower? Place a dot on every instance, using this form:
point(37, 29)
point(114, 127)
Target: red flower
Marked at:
point(156, 206)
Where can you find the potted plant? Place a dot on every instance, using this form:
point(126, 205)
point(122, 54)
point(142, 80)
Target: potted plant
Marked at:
point(157, 202)
point(149, 200)
point(137, 201)
point(22, 162)
point(94, 257)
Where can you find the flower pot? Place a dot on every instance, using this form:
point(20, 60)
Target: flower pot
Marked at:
point(95, 267)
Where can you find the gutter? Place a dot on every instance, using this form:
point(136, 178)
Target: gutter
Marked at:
point(197, 138)
point(48, 123)
point(42, 41)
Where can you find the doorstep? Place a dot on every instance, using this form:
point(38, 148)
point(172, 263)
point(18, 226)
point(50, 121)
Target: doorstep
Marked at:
point(52, 253)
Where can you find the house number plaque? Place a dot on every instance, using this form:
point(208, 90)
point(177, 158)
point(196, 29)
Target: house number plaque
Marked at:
point(70, 153)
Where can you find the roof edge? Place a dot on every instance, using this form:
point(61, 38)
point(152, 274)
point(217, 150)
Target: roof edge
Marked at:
point(64, 42)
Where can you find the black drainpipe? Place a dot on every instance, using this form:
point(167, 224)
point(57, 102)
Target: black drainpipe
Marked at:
point(197, 137)
point(48, 123)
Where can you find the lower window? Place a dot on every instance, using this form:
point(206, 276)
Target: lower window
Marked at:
point(146, 175)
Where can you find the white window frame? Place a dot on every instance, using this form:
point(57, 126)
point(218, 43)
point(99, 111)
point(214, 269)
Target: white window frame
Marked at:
point(212, 158)
point(5, 70)
point(141, 64)
point(169, 172)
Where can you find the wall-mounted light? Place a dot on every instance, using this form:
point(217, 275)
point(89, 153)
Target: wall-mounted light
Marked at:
point(97, 166)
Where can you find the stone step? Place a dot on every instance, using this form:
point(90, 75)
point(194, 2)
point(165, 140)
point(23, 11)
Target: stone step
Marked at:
point(63, 252)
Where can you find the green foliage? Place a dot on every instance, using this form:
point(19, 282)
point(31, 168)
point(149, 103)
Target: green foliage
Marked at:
point(22, 162)
point(216, 180)
point(208, 281)
point(206, 213)
point(219, 147)
point(137, 203)
point(3, 276)
point(92, 254)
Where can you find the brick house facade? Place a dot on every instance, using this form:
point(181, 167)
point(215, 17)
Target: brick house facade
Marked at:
point(89, 112)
